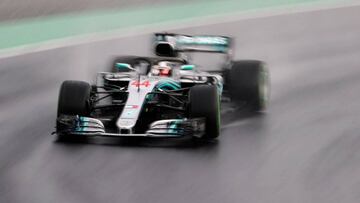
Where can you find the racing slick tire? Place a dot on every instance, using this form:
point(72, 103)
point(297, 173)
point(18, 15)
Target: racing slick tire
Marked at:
point(74, 98)
point(205, 102)
point(249, 82)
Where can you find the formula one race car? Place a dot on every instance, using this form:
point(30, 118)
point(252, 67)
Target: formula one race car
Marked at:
point(162, 96)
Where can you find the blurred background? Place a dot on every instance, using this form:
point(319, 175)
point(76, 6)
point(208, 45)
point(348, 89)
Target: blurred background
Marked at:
point(305, 148)
point(11, 10)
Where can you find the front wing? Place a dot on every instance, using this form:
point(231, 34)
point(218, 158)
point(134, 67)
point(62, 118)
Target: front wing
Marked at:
point(171, 128)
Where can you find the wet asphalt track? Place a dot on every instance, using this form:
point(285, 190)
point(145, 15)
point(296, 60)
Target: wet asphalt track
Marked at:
point(305, 149)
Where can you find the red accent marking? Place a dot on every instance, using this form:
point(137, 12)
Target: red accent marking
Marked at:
point(136, 83)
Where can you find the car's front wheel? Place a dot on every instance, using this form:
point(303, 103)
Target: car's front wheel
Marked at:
point(205, 103)
point(74, 99)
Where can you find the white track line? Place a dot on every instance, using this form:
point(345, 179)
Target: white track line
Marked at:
point(186, 23)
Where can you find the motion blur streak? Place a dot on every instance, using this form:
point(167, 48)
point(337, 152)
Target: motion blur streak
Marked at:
point(305, 149)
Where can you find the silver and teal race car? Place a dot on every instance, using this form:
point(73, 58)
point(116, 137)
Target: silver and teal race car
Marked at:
point(162, 96)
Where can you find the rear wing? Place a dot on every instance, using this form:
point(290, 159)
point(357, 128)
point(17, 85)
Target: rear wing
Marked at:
point(170, 44)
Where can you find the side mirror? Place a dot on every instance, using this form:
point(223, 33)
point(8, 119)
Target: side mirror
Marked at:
point(187, 67)
point(121, 66)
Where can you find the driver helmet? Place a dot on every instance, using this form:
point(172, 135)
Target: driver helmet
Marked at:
point(162, 69)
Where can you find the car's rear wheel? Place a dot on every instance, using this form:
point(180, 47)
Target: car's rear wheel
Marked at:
point(249, 82)
point(205, 103)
